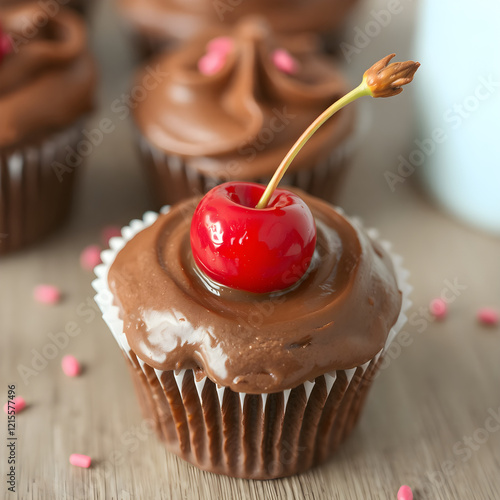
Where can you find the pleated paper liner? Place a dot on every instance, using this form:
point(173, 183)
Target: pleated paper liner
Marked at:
point(35, 195)
point(244, 435)
point(84, 7)
point(147, 45)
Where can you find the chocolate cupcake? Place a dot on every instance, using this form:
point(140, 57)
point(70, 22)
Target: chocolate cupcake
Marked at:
point(163, 24)
point(245, 384)
point(47, 80)
point(51, 7)
point(230, 104)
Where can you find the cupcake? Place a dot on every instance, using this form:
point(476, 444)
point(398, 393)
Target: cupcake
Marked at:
point(253, 320)
point(52, 7)
point(252, 385)
point(160, 24)
point(230, 104)
point(47, 80)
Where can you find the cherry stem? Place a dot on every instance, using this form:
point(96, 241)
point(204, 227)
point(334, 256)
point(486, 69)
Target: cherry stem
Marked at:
point(361, 90)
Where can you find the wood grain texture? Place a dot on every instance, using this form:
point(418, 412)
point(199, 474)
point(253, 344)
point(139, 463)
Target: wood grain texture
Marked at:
point(436, 391)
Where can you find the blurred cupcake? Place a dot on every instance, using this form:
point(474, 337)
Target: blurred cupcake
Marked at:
point(47, 80)
point(51, 7)
point(160, 24)
point(252, 385)
point(229, 105)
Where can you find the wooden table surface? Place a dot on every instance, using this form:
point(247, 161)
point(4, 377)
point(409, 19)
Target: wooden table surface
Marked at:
point(424, 422)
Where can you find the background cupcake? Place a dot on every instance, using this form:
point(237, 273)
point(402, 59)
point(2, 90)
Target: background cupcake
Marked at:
point(160, 24)
point(229, 105)
point(52, 8)
point(47, 80)
point(252, 385)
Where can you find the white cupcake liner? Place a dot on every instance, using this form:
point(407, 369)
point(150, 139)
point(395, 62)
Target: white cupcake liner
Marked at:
point(33, 200)
point(294, 429)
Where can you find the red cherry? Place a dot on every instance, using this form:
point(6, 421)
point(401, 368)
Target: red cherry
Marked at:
point(257, 250)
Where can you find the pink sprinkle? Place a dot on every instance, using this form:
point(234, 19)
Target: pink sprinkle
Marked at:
point(80, 460)
point(438, 308)
point(221, 44)
point(284, 61)
point(109, 232)
point(90, 257)
point(405, 493)
point(211, 63)
point(70, 366)
point(18, 403)
point(47, 294)
point(488, 316)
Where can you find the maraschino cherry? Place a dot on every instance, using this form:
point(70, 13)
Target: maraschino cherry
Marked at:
point(261, 239)
point(258, 250)
point(5, 44)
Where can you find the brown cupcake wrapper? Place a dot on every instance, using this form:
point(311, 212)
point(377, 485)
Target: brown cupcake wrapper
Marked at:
point(83, 7)
point(147, 45)
point(251, 436)
point(35, 194)
point(172, 179)
point(244, 435)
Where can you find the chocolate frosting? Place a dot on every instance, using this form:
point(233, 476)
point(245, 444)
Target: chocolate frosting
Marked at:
point(182, 19)
point(240, 122)
point(337, 317)
point(47, 81)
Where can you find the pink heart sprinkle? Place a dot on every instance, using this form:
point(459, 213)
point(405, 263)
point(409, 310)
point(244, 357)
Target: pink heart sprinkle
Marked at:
point(438, 308)
point(90, 257)
point(405, 493)
point(283, 60)
point(18, 404)
point(70, 366)
point(488, 316)
point(211, 63)
point(80, 460)
point(221, 44)
point(47, 294)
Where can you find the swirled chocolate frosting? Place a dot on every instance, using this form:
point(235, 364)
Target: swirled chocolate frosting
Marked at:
point(47, 80)
point(241, 121)
point(337, 317)
point(182, 19)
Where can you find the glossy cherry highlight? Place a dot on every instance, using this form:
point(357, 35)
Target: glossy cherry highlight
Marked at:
point(245, 248)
